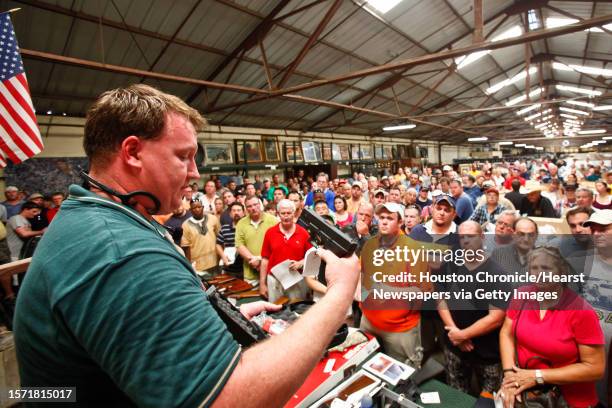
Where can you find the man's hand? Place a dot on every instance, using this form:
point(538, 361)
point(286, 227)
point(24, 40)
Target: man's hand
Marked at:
point(340, 273)
point(456, 335)
point(225, 260)
point(466, 346)
point(250, 310)
point(362, 228)
point(255, 262)
point(263, 289)
point(296, 265)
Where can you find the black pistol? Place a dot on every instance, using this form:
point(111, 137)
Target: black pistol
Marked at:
point(326, 235)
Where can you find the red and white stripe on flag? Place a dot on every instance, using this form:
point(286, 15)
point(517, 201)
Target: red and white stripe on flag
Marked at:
point(19, 134)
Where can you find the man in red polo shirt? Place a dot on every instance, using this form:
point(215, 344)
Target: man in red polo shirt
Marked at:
point(285, 241)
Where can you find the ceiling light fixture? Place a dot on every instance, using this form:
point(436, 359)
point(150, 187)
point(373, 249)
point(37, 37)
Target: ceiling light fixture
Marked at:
point(399, 127)
point(477, 139)
point(571, 110)
point(528, 109)
point(581, 103)
point(505, 143)
point(602, 107)
point(383, 5)
point(566, 115)
point(592, 132)
point(521, 98)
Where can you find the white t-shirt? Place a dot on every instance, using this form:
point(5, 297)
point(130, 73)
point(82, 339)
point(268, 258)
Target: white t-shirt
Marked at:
point(14, 241)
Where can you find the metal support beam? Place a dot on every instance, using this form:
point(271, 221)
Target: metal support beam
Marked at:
point(266, 66)
point(310, 42)
point(250, 41)
point(478, 38)
point(45, 56)
point(443, 55)
point(298, 10)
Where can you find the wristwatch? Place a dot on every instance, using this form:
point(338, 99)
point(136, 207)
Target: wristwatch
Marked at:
point(538, 377)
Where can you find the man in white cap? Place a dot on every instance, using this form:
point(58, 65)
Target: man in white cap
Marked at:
point(356, 198)
point(598, 281)
point(395, 324)
point(13, 203)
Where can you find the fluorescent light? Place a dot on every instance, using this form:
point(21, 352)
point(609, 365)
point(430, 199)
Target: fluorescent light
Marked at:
point(577, 90)
point(532, 19)
point(602, 107)
point(576, 111)
point(399, 127)
point(477, 139)
point(592, 131)
point(581, 103)
point(532, 117)
point(383, 5)
point(565, 115)
point(561, 67)
point(592, 70)
point(528, 109)
point(510, 81)
point(541, 125)
point(598, 142)
point(521, 98)
point(539, 148)
point(505, 143)
point(607, 138)
point(520, 145)
point(466, 60)
point(530, 147)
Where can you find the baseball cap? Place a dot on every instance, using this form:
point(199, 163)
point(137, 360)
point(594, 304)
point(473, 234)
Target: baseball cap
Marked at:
point(425, 188)
point(266, 179)
point(385, 178)
point(11, 188)
point(492, 190)
point(445, 197)
point(570, 187)
point(35, 195)
point(356, 184)
point(436, 193)
point(380, 191)
point(392, 208)
point(447, 168)
point(601, 217)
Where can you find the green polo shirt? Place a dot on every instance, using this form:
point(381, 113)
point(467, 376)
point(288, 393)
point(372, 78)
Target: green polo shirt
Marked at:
point(252, 237)
point(110, 307)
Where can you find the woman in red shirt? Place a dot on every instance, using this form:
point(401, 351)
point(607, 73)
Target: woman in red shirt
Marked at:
point(559, 341)
point(343, 217)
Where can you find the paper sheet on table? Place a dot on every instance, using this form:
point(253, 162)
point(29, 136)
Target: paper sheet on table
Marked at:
point(285, 276)
point(430, 397)
point(312, 262)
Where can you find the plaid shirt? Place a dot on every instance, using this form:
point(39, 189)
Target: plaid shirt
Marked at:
point(481, 214)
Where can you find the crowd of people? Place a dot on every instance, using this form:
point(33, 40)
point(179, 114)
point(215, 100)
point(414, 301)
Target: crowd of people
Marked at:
point(247, 228)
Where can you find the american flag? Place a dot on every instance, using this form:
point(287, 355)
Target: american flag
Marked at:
point(19, 134)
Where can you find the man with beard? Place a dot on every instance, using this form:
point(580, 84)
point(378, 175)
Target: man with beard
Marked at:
point(228, 197)
point(232, 261)
point(514, 257)
point(356, 198)
point(199, 235)
point(536, 205)
point(174, 224)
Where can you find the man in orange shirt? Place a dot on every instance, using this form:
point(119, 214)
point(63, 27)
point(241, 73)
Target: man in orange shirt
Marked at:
point(396, 323)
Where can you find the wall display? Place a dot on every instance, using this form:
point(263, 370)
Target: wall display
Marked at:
point(388, 152)
point(253, 151)
point(217, 153)
point(355, 152)
point(293, 152)
point(326, 151)
point(312, 152)
point(336, 152)
point(395, 152)
point(270, 148)
point(344, 152)
point(366, 152)
point(423, 152)
point(378, 152)
point(46, 175)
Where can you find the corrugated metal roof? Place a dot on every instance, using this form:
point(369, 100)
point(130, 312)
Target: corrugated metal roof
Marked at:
point(136, 34)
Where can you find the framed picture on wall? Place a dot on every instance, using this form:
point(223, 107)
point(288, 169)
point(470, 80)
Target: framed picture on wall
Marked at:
point(387, 152)
point(336, 152)
point(217, 153)
point(326, 151)
point(270, 148)
point(344, 152)
point(312, 152)
point(378, 152)
point(252, 149)
point(293, 152)
point(355, 152)
point(366, 152)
